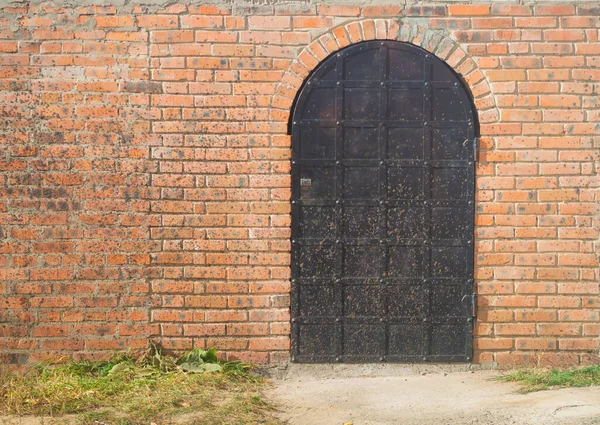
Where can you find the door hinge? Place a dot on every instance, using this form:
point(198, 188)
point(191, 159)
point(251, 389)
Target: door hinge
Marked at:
point(475, 149)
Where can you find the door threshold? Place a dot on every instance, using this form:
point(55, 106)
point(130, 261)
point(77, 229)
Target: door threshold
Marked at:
point(329, 370)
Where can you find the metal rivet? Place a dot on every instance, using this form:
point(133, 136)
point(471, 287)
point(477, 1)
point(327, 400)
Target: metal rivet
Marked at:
point(426, 84)
point(380, 280)
point(338, 162)
point(337, 202)
point(309, 83)
point(382, 84)
point(338, 281)
point(293, 280)
point(426, 163)
point(425, 124)
point(470, 202)
point(424, 358)
point(382, 43)
point(381, 320)
point(293, 202)
point(381, 241)
point(337, 241)
point(380, 202)
point(425, 319)
point(337, 319)
point(381, 359)
point(381, 162)
point(339, 83)
point(293, 359)
point(426, 56)
point(338, 123)
point(469, 320)
point(337, 359)
point(455, 84)
point(293, 320)
point(294, 162)
point(470, 162)
point(339, 55)
point(293, 240)
point(469, 358)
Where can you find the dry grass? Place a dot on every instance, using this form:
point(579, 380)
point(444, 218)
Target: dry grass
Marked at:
point(137, 392)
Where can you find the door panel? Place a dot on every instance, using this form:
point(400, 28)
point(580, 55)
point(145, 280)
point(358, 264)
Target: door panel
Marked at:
point(382, 209)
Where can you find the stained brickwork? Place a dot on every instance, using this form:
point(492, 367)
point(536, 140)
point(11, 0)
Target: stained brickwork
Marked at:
point(145, 174)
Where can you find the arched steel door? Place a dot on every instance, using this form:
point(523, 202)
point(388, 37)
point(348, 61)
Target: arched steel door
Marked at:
point(382, 209)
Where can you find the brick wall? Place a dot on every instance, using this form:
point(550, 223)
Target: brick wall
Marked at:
point(145, 182)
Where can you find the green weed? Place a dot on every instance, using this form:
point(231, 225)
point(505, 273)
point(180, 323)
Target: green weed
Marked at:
point(130, 391)
point(539, 380)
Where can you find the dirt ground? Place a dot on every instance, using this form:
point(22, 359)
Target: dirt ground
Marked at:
point(407, 395)
point(422, 396)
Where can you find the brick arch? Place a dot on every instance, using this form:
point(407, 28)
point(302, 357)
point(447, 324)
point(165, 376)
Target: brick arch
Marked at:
point(434, 41)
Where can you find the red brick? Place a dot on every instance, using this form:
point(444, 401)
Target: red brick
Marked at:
point(202, 22)
point(381, 11)
point(301, 22)
point(203, 330)
point(537, 22)
point(158, 21)
point(506, 75)
point(468, 10)
point(114, 21)
point(514, 329)
point(338, 10)
point(252, 329)
point(269, 22)
point(550, 9)
point(578, 344)
point(536, 316)
point(536, 343)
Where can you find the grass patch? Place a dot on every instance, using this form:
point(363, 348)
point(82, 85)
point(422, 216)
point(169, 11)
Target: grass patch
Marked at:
point(539, 380)
point(129, 391)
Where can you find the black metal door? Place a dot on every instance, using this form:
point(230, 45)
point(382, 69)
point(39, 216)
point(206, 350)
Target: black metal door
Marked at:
point(382, 209)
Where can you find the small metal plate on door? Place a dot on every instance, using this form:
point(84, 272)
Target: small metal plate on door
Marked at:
point(305, 182)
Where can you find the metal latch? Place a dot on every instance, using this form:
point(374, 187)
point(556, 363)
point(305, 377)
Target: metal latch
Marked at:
point(475, 149)
point(305, 182)
point(473, 298)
